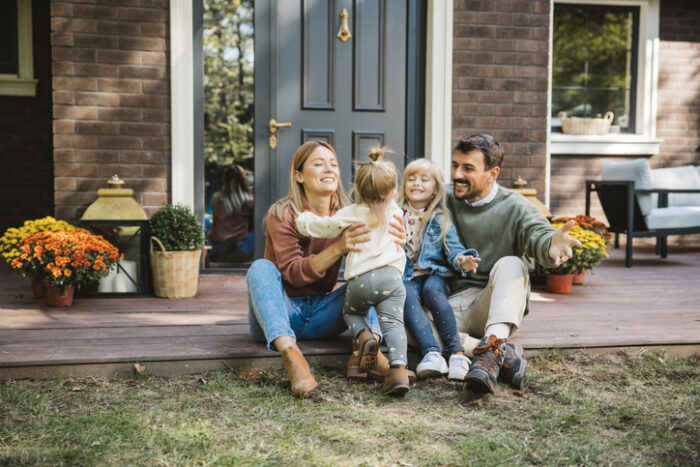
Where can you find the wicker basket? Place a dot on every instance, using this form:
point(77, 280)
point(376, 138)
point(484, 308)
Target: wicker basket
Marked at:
point(175, 273)
point(586, 126)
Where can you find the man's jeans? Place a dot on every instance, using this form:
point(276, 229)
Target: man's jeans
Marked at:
point(272, 313)
point(431, 291)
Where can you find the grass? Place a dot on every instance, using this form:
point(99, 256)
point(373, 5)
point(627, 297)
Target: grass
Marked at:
point(639, 409)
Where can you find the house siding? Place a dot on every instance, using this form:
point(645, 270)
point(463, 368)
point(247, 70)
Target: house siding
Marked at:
point(500, 59)
point(26, 159)
point(678, 124)
point(111, 103)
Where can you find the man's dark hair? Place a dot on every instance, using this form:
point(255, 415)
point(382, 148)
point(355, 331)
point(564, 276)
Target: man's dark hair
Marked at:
point(489, 147)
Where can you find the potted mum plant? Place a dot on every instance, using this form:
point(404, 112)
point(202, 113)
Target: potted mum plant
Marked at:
point(594, 237)
point(12, 239)
point(68, 259)
point(179, 236)
point(561, 278)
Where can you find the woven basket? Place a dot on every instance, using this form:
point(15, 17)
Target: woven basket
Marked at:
point(586, 126)
point(175, 273)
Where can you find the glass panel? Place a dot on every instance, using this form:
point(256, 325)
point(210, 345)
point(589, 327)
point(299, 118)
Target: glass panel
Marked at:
point(593, 62)
point(228, 132)
point(8, 39)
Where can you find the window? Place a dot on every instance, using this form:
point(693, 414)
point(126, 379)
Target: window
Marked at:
point(16, 51)
point(605, 58)
point(594, 62)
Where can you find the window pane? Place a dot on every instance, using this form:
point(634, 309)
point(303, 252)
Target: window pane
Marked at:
point(594, 54)
point(8, 39)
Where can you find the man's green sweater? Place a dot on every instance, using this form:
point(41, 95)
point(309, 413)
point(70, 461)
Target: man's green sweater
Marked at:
point(509, 225)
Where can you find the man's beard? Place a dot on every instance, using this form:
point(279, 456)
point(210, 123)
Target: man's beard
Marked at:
point(454, 188)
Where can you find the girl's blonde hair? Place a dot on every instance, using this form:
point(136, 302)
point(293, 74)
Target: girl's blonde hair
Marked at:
point(296, 199)
point(425, 166)
point(374, 183)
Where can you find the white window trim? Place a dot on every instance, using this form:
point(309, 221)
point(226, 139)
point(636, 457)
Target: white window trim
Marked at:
point(181, 104)
point(643, 141)
point(22, 83)
point(438, 84)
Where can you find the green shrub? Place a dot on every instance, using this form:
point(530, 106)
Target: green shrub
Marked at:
point(177, 228)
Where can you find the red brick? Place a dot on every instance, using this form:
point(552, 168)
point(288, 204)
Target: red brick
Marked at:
point(68, 212)
point(119, 85)
point(154, 29)
point(97, 156)
point(496, 45)
point(512, 110)
point(64, 155)
point(115, 115)
point(64, 126)
point(63, 97)
point(156, 171)
point(120, 142)
point(140, 101)
point(143, 157)
point(73, 54)
point(73, 197)
point(90, 184)
point(153, 58)
point(76, 170)
point(125, 172)
point(142, 43)
point(155, 199)
point(142, 15)
point(512, 84)
point(515, 33)
point(96, 41)
point(516, 6)
point(118, 27)
point(61, 9)
point(141, 71)
point(156, 142)
point(97, 128)
point(513, 59)
point(531, 46)
point(500, 19)
point(62, 39)
point(149, 185)
point(64, 184)
point(75, 112)
point(62, 69)
point(96, 70)
point(494, 96)
point(96, 98)
point(156, 87)
point(75, 141)
point(493, 122)
point(143, 129)
point(76, 84)
point(118, 56)
point(73, 25)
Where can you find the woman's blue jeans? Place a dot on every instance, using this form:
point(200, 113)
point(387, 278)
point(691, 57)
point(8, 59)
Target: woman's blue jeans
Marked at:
point(272, 313)
point(433, 292)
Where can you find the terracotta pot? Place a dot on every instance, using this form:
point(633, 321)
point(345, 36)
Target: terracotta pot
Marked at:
point(579, 277)
point(60, 296)
point(559, 283)
point(39, 288)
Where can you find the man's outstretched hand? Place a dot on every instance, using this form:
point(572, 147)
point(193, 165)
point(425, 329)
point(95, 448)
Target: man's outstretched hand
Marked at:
point(560, 249)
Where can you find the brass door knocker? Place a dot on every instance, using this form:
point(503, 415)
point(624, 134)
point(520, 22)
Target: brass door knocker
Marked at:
point(344, 31)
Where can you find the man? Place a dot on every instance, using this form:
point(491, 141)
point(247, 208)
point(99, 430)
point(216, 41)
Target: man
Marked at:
point(503, 227)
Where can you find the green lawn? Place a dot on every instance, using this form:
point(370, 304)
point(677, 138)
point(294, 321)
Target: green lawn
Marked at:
point(623, 409)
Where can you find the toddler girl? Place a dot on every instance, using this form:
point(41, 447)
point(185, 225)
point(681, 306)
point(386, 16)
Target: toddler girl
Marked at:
point(432, 246)
point(374, 273)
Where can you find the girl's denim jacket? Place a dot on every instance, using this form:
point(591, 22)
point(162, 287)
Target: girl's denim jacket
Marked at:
point(436, 255)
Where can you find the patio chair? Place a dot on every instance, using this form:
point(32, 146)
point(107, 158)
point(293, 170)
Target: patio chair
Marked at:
point(641, 202)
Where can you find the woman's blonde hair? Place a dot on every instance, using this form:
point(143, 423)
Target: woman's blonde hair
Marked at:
point(234, 190)
point(425, 166)
point(296, 199)
point(374, 183)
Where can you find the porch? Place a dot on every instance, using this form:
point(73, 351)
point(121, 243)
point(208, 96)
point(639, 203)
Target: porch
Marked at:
point(653, 304)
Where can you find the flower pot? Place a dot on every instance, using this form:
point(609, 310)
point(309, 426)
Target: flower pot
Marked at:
point(39, 288)
point(60, 296)
point(579, 277)
point(559, 283)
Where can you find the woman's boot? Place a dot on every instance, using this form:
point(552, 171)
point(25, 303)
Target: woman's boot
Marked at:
point(300, 376)
point(396, 383)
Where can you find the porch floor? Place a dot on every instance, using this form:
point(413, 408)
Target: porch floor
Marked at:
point(655, 303)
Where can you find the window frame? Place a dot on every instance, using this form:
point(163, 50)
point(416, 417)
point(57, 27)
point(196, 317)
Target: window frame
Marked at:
point(642, 139)
point(22, 83)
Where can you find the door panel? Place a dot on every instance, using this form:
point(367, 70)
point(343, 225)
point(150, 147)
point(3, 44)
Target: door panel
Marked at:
point(351, 94)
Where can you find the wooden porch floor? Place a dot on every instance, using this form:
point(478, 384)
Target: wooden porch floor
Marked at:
point(655, 303)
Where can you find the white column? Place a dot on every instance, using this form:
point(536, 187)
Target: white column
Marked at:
point(438, 84)
point(181, 103)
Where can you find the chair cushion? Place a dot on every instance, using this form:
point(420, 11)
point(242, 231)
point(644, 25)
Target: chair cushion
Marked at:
point(637, 170)
point(673, 217)
point(676, 178)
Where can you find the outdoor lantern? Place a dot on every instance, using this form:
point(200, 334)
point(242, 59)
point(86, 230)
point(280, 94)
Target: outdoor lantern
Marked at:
point(122, 221)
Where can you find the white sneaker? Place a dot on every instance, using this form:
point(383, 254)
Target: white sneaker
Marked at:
point(459, 366)
point(433, 364)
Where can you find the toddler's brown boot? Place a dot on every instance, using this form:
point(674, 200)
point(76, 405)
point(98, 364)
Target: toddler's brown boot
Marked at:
point(354, 371)
point(300, 376)
point(396, 383)
point(369, 347)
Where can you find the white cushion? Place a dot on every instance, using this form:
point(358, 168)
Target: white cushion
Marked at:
point(676, 178)
point(637, 170)
point(673, 217)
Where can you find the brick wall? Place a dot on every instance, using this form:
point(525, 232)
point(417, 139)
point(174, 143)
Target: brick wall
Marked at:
point(500, 80)
point(26, 158)
point(111, 103)
point(678, 113)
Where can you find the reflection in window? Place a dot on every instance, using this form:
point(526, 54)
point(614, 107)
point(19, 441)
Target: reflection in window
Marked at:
point(594, 62)
point(228, 132)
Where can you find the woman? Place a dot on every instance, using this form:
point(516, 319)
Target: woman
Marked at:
point(232, 209)
point(293, 292)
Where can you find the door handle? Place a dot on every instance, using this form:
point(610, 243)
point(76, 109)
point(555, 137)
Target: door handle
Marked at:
point(272, 141)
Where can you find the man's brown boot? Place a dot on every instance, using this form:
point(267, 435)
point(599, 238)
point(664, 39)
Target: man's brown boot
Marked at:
point(300, 376)
point(369, 347)
point(354, 371)
point(396, 384)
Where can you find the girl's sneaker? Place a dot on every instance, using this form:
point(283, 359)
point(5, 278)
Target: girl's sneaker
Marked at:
point(459, 366)
point(433, 364)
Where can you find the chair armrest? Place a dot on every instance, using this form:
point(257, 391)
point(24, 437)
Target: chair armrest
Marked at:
point(668, 190)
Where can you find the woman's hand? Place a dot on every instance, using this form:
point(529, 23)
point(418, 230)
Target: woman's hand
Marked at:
point(353, 237)
point(396, 228)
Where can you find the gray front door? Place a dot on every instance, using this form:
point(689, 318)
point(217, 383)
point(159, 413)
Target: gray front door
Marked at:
point(350, 93)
